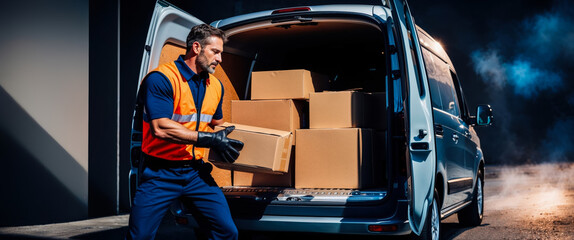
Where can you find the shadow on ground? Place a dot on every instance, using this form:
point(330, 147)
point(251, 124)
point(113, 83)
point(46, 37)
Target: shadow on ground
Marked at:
point(450, 230)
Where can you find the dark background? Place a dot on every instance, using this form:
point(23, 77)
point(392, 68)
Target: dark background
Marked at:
point(516, 56)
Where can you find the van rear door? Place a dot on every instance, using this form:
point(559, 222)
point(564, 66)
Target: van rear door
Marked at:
point(169, 26)
point(165, 41)
point(421, 165)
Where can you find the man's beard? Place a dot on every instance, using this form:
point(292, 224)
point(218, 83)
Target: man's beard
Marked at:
point(204, 64)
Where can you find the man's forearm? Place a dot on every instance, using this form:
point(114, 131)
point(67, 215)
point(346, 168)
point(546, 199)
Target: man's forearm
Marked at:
point(171, 131)
point(215, 122)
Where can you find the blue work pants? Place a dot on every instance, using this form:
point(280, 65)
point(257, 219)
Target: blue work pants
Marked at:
point(161, 186)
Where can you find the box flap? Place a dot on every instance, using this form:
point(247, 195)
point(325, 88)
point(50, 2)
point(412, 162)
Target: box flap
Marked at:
point(247, 128)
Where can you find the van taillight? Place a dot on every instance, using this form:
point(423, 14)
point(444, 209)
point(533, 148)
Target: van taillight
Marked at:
point(383, 228)
point(287, 10)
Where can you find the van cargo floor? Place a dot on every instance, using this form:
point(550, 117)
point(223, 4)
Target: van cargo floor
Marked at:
point(290, 196)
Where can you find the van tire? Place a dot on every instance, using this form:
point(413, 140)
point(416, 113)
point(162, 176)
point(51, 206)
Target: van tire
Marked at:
point(431, 228)
point(472, 214)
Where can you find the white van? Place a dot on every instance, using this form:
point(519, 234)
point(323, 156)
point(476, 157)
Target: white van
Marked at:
point(431, 164)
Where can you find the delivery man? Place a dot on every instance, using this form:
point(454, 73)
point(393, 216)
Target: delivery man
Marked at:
point(181, 101)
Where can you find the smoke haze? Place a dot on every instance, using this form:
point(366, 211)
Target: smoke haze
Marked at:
point(524, 65)
point(534, 55)
point(517, 56)
point(532, 189)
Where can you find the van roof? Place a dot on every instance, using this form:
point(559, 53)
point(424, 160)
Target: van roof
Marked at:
point(335, 8)
point(427, 41)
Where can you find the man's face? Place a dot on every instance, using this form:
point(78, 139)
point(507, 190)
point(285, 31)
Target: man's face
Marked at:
point(210, 55)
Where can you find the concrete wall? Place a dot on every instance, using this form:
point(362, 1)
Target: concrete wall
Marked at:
point(44, 111)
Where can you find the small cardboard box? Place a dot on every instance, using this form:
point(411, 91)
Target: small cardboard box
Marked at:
point(344, 109)
point(264, 150)
point(286, 84)
point(376, 110)
point(248, 179)
point(334, 158)
point(285, 115)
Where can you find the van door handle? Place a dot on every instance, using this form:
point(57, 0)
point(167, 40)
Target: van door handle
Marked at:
point(420, 146)
point(422, 133)
point(455, 137)
point(438, 130)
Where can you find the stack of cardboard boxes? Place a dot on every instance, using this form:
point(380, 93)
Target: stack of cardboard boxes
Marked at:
point(338, 149)
point(332, 133)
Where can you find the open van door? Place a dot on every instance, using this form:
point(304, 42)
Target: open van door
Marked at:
point(166, 39)
point(169, 25)
point(421, 163)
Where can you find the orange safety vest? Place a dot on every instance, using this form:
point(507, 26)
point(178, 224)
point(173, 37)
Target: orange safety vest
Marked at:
point(184, 112)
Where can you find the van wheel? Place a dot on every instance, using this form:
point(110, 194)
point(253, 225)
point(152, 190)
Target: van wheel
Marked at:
point(472, 214)
point(431, 229)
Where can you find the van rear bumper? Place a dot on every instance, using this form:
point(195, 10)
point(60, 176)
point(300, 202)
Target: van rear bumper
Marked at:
point(354, 217)
point(334, 225)
point(395, 224)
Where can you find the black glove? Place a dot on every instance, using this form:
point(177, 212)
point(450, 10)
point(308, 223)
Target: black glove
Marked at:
point(218, 141)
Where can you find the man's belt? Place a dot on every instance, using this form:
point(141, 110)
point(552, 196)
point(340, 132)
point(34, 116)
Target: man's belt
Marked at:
point(155, 162)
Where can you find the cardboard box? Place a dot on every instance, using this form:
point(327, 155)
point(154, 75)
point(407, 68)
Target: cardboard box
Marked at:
point(222, 177)
point(248, 179)
point(265, 150)
point(376, 110)
point(344, 109)
point(285, 115)
point(286, 84)
point(334, 158)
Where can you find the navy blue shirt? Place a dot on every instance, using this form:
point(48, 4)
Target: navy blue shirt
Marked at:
point(158, 97)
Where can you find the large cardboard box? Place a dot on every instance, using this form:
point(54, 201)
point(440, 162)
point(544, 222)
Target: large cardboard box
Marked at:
point(334, 158)
point(264, 150)
point(286, 84)
point(249, 179)
point(344, 109)
point(285, 115)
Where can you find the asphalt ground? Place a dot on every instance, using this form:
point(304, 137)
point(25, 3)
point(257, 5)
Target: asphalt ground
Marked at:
point(524, 202)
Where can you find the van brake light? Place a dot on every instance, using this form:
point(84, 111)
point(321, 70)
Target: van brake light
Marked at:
point(287, 10)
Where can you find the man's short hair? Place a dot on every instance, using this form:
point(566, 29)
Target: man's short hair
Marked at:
point(200, 33)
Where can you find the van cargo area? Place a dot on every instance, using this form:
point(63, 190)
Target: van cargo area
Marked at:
point(329, 47)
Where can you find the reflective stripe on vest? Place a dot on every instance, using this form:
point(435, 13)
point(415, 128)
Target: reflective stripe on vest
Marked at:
point(191, 118)
point(185, 113)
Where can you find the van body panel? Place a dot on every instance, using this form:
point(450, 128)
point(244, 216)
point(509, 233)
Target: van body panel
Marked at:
point(258, 16)
point(420, 134)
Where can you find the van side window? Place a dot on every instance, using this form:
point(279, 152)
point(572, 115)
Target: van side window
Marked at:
point(443, 94)
point(458, 89)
